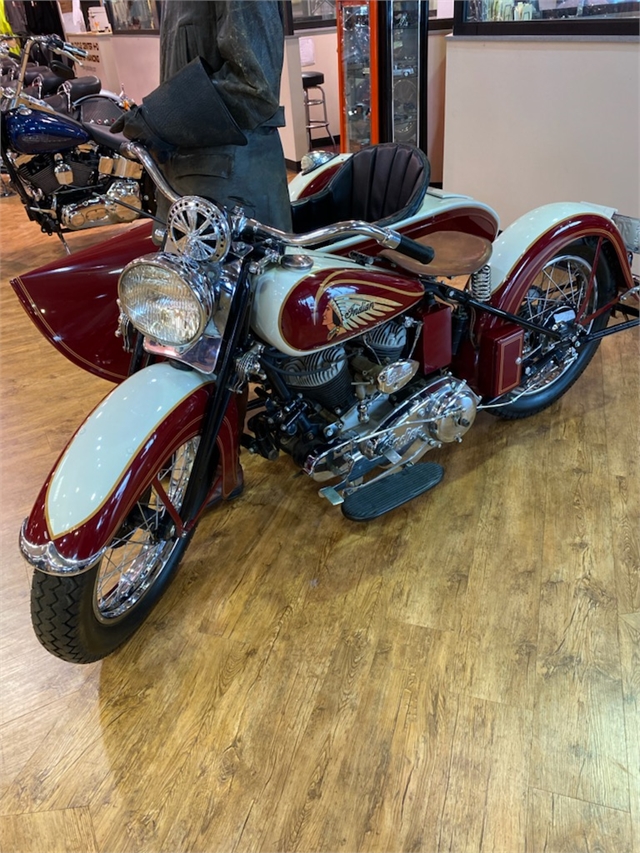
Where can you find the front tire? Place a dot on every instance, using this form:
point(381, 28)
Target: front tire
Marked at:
point(85, 617)
point(560, 286)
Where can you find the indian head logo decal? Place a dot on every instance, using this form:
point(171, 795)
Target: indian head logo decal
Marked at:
point(331, 305)
point(346, 311)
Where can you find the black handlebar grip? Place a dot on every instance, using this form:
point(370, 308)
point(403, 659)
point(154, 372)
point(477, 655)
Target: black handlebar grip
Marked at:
point(418, 251)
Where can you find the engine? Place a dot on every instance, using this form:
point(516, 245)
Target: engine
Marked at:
point(85, 188)
point(361, 405)
point(42, 171)
point(327, 377)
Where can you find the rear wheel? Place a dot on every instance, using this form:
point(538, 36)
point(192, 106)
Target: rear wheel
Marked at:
point(85, 617)
point(557, 295)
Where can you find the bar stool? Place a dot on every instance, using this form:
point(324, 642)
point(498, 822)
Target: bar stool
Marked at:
point(314, 80)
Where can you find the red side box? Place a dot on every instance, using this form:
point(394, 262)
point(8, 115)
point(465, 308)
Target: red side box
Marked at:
point(500, 367)
point(436, 337)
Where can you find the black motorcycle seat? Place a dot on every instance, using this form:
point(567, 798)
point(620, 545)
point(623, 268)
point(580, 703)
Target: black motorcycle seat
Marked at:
point(381, 184)
point(83, 86)
point(35, 71)
point(59, 103)
point(103, 136)
point(80, 88)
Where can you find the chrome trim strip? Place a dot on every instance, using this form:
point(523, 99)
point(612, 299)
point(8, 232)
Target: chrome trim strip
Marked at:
point(46, 559)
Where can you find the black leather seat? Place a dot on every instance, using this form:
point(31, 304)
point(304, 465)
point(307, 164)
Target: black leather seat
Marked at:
point(382, 183)
point(103, 136)
point(82, 87)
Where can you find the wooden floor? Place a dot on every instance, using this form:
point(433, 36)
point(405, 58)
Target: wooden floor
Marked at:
point(461, 675)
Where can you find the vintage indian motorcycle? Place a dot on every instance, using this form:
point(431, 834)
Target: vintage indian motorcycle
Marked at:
point(361, 354)
point(60, 155)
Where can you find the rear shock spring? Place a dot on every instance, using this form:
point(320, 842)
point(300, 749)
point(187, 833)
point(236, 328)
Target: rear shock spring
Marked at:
point(481, 284)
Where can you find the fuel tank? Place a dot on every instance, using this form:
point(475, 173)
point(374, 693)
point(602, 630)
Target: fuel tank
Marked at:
point(39, 132)
point(313, 301)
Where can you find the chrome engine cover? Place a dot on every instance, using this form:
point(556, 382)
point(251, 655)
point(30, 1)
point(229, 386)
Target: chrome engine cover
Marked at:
point(104, 210)
point(438, 413)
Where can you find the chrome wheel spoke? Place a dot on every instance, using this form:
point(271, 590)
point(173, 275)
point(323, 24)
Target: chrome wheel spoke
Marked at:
point(138, 553)
point(561, 285)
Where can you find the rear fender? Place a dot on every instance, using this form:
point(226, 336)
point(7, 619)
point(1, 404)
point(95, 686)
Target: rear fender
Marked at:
point(519, 253)
point(523, 248)
point(112, 458)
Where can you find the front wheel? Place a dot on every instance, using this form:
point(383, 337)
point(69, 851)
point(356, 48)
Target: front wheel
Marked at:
point(558, 293)
point(85, 617)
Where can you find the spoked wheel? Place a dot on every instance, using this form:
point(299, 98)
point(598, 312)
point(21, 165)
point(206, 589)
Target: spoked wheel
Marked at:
point(86, 617)
point(557, 296)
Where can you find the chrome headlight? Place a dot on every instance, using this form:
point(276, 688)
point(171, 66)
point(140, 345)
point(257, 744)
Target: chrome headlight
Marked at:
point(166, 298)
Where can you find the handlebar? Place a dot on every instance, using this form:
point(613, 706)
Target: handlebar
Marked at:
point(386, 237)
point(59, 46)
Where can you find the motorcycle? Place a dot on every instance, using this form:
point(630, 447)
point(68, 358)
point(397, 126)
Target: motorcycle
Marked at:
point(59, 154)
point(370, 335)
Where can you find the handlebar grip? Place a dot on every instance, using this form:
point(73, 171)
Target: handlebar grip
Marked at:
point(76, 51)
point(418, 251)
point(57, 44)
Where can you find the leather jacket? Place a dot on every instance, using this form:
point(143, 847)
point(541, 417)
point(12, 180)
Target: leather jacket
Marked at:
point(245, 69)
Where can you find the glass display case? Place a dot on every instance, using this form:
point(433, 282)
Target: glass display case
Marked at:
point(309, 14)
point(133, 16)
point(357, 74)
point(382, 50)
point(547, 17)
point(406, 46)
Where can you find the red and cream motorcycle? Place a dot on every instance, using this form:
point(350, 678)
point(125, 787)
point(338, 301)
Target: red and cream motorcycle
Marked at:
point(371, 335)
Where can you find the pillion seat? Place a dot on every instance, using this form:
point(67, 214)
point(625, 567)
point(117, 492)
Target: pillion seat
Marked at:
point(382, 184)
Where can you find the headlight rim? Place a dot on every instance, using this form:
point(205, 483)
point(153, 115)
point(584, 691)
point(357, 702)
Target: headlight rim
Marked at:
point(190, 275)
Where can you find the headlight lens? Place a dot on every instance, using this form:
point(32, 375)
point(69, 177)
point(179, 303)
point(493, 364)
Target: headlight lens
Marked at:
point(166, 299)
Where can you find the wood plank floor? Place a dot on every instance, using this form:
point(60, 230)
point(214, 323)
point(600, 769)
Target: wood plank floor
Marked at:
point(461, 675)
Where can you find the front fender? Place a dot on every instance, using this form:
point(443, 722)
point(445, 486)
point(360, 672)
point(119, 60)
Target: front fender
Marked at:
point(523, 248)
point(111, 459)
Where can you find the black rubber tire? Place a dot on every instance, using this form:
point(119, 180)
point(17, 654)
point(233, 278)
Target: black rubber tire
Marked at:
point(64, 618)
point(534, 402)
point(85, 617)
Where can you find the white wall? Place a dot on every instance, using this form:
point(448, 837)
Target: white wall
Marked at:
point(130, 61)
point(138, 62)
point(530, 122)
point(324, 47)
point(293, 134)
point(436, 75)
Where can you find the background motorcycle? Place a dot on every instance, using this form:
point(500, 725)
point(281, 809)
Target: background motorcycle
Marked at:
point(59, 154)
point(363, 357)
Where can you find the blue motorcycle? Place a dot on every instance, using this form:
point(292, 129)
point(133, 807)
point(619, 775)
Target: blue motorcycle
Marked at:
point(60, 156)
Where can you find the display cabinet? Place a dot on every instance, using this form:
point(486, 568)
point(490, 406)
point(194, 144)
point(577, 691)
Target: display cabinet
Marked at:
point(547, 18)
point(403, 63)
point(357, 74)
point(133, 16)
point(309, 14)
point(382, 51)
